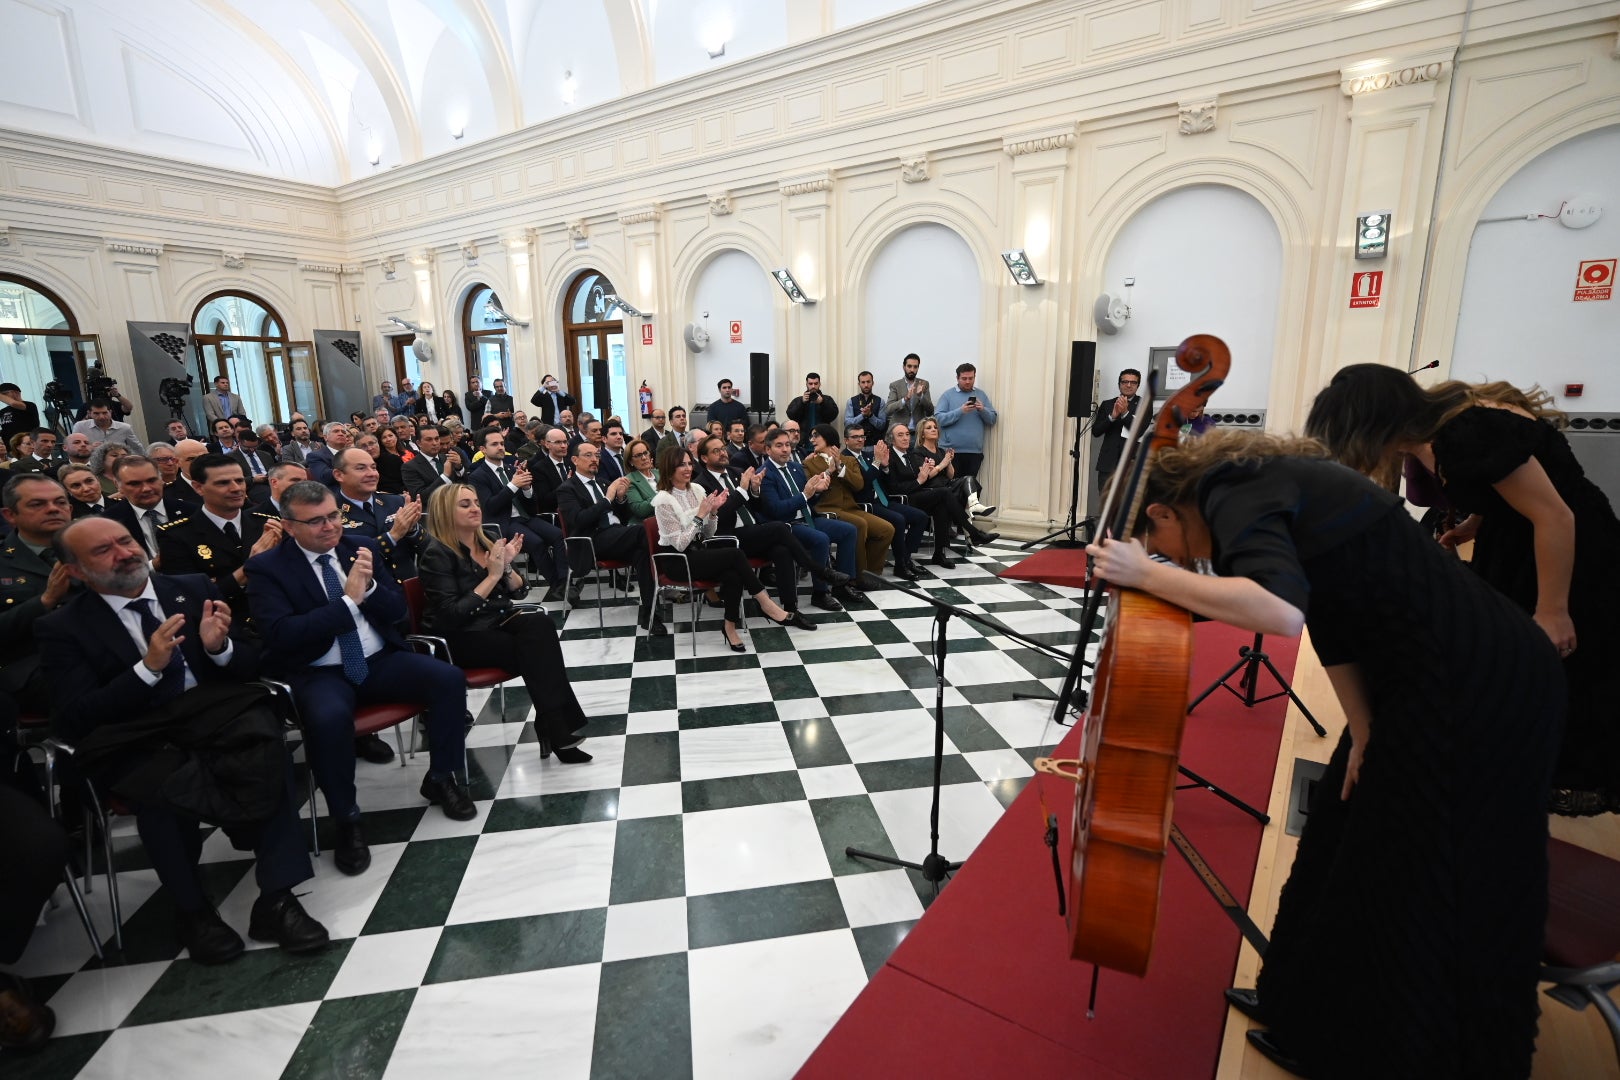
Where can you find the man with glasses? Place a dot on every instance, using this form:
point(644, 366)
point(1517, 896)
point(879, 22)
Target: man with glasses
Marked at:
point(1113, 420)
point(660, 427)
point(602, 513)
point(909, 522)
point(217, 538)
point(329, 612)
point(787, 494)
point(506, 495)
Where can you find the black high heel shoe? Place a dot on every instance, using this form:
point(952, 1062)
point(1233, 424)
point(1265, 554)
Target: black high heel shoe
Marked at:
point(738, 647)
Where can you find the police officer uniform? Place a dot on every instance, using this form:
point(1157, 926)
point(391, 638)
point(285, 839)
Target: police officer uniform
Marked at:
point(194, 544)
point(375, 520)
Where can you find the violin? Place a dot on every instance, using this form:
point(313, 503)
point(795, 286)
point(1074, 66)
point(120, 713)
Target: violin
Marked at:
point(1125, 778)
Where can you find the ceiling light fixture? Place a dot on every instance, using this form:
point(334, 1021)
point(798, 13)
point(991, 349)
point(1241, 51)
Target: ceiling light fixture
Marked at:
point(570, 86)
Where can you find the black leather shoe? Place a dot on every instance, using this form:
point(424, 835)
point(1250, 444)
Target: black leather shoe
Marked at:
point(797, 621)
point(25, 1022)
point(825, 602)
point(657, 627)
point(832, 577)
point(1262, 1041)
point(553, 594)
point(1245, 1000)
point(941, 559)
point(283, 920)
point(573, 594)
point(449, 796)
point(350, 852)
point(571, 755)
point(979, 536)
point(206, 937)
point(849, 594)
point(371, 748)
point(905, 573)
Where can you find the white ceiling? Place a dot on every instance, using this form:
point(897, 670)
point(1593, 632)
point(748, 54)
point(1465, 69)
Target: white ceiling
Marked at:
point(313, 90)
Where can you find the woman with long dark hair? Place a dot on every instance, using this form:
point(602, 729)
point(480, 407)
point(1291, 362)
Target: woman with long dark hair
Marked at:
point(1407, 941)
point(450, 408)
point(1543, 533)
point(390, 462)
point(470, 586)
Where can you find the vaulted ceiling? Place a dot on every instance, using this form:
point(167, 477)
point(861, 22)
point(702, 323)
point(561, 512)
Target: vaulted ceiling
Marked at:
point(327, 91)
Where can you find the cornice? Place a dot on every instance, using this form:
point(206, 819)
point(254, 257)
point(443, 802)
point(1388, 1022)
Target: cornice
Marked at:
point(1356, 81)
point(1035, 142)
point(134, 247)
point(321, 268)
point(804, 185)
point(640, 215)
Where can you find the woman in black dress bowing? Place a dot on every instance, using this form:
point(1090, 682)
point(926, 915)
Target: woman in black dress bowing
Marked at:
point(470, 587)
point(1408, 937)
point(1544, 534)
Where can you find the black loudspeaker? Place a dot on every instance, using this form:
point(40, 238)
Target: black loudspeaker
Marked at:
point(759, 382)
point(1082, 374)
point(601, 389)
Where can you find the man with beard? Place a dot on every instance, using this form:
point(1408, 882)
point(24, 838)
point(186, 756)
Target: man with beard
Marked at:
point(729, 407)
point(867, 410)
point(299, 446)
point(909, 402)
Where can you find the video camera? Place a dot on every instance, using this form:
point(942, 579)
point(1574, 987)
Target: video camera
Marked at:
point(97, 384)
point(174, 391)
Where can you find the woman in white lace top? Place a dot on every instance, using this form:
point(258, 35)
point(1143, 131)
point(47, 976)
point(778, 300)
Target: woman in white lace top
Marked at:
point(687, 517)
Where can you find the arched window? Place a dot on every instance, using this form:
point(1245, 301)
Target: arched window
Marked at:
point(593, 337)
point(484, 333)
point(41, 349)
point(242, 337)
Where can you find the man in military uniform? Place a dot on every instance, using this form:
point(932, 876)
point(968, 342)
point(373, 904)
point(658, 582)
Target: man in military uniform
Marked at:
point(391, 520)
point(31, 582)
point(218, 537)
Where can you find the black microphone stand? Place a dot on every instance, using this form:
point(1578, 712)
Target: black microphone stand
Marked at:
point(1071, 525)
point(936, 867)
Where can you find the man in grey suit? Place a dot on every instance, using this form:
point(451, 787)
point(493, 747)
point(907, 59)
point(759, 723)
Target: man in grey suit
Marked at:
point(909, 399)
point(220, 403)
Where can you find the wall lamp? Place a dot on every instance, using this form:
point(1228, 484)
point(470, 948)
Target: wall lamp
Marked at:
point(1018, 266)
point(612, 301)
point(785, 278)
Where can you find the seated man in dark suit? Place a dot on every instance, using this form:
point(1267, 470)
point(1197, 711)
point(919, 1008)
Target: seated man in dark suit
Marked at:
point(143, 506)
point(185, 452)
point(217, 538)
point(909, 522)
point(436, 465)
point(256, 459)
point(283, 475)
point(506, 496)
point(394, 521)
point(551, 468)
point(786, 494)
point(318, 460)
point(328, 610)
point(133, 643)
point(32, 583)
point(603, 514)
point(612, 447)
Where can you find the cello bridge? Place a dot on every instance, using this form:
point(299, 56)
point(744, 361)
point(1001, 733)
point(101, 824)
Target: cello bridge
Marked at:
point(1069, 768)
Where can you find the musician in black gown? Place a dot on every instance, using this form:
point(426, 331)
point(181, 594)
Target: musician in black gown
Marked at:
point(1408, 936)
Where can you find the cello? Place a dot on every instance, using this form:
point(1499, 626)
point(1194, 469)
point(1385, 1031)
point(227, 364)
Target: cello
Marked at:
point(1131, 733)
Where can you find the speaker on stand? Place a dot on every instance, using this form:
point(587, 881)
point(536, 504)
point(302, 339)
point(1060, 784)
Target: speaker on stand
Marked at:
point(1081, 407)
point(759, 385)
point(601, 390)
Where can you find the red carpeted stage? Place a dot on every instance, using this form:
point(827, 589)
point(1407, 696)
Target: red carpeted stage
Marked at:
point(982, 985)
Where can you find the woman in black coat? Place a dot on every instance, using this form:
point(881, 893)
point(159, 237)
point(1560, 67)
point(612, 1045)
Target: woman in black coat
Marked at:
point(470, 587)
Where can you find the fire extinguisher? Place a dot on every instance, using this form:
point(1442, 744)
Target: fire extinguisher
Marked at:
point(646, 396)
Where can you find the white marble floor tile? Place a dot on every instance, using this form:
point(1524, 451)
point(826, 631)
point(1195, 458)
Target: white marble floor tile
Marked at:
point(583, 617)
point(892, 649)
point(537, 871)
point(257, 1044)
point(851, 677)
point(831, 781)
point(382, 962)
point(998, 764)
point(759, 1008)
point(889, 736)
point(983, 669)
point(650, 928)
point(866, 614)
point(337, 901)
point(650, 668)
point(926, 695)
point(388, 787)
point(532, 1024)
point(591, 652)
point(499, 733)
point(992, 594)
point(217, 848)
point(810, 708)
point(435, 826)
point(832, 635)
point(101, 999)
point(655, 720)
point(649, 800)
point(603, 697)
point(1022, 723)
point(742, 750)
point(750, 847)
point(780, 659)
point(876, 899)
point(61, 946)
point(527, 774)
point(1039, 622)
point(966, 813)
point(707, 689)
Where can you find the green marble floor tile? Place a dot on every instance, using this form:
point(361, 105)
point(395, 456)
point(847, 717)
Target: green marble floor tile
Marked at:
point(59, 1059)
point(506, 946)
point(838, 656)
point(1008, 789)
point(815, 742)
point(850, 704)
point(655, 648)
point(805, 907)
point(518, 704)
point(595, 672)
point(608, 724)
point(732, 791)
point(968, 730)
point(258, 979)
point(756, 712)
point(652, 758)
point(1038, 664)
point(643, 1020)
point(423, 885)
point(1030, 753)
point(380, 826)
point(789, 682)
point(1008, 606)
point(957, 645)
point(351, 1038)
point(876, 943)
point(486, 765)
point(850, 821)
point(916, 671)
point(882, 632)
point(914, 772)
point(544, 811)
point(988, 693)
point(652, 693)
point(648, 860)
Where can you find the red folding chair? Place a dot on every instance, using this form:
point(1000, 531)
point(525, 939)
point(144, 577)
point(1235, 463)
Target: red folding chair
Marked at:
point(478, 678)
point(1581, 952)
point(696, 587)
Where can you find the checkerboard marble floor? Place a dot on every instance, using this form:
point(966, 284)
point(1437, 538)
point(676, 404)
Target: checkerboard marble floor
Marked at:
point(681, 906)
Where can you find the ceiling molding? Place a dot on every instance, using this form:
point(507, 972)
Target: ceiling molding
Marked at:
point(632, 42)
point(485, 39)
point(407, 127)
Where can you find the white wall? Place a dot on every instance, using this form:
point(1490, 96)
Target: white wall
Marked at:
point(1207, 260)
point(1519, 320)
point(923, 295)
point(733, 286)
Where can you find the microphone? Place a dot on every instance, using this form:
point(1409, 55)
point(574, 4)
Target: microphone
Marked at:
point(1424, 367)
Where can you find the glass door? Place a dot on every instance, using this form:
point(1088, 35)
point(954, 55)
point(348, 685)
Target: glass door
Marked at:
point(587, 349)
point(587, 345)
point(304, 390)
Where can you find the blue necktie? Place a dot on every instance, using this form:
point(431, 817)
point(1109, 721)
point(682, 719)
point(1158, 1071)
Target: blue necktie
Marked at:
point(172, 682)
point(355, 668)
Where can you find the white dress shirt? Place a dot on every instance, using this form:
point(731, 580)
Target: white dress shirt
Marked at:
point(370, 641)
point(132, 622)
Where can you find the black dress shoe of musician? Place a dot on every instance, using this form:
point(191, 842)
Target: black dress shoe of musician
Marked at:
point(282, 919)
point(449, 796)
point(349, 852)
point(1261, 1040)
point(371, 748)
point(1245, 1000)
point(206, 937)
point(825, 602)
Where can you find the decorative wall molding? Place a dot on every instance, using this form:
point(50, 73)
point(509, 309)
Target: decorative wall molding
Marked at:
point(578, 235)
point(1354, 82)
point(423, 258)
point(1035, 142)
point(721, 204)
point(321, 268)
point(134, 247)
point(519, 240)
point(804, 185)
point(1197, 118)
point(352, 269)
point(914, 169)
point(233, 260)
point(640, 215)
point(390, 268)
point(469, 254)
point(5, 236)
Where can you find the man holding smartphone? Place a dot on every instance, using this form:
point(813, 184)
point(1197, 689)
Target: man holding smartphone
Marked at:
point(965, 416)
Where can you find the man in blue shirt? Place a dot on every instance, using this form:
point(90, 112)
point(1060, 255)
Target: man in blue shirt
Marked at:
point(867, 410)
point(964, 413)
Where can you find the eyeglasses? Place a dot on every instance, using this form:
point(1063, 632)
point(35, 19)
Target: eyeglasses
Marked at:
point(640, 453)
point(316, 522)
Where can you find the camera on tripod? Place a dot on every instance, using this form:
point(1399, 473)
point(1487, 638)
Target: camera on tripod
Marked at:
point(174, 391)
point(57, 396)
point(97, 384)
